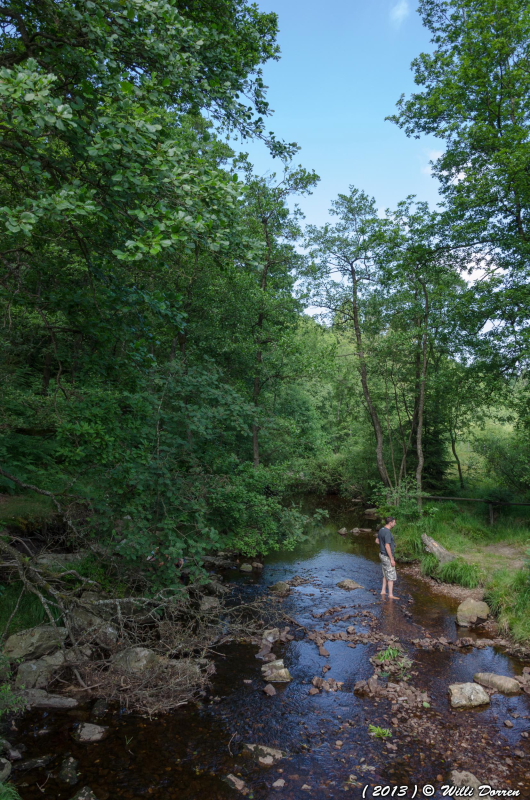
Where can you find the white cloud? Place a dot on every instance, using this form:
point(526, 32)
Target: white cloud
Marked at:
point(399, 12)
point(433, 155)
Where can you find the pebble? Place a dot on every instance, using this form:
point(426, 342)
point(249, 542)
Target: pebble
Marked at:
point(279, 784)
point(508, 723)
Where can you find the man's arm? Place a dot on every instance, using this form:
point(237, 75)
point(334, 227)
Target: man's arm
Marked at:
point(388, 549)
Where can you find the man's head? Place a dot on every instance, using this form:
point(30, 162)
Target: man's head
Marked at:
point(390, 522)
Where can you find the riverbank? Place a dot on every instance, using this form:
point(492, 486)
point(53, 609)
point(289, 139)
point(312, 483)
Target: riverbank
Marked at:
point(493, 558)
point(323, 721)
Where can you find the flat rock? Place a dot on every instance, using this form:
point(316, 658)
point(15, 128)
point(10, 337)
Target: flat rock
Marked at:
point(501, 683)
point(276, 672)
point(349, 585)
point(34, 642)
point(472, 612)
point(88, 732)
point(136, 659)
point(39, 698)
point(468, 695)
point(465, 779)
point(272, 635)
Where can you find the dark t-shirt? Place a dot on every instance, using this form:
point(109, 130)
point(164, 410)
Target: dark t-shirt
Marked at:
point(386, 537)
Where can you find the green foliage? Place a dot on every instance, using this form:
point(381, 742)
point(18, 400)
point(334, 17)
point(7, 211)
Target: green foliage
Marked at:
point(508, 594)
point(8, 792)
point(389, 654)
point(378, 732)
point(30, 611)
point(10, 702)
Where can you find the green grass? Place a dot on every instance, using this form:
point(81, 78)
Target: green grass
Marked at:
point(30, 610)
point(389, 654)
point(8, 792)
point(508, 594)
point(379, 733)
point(26, 511)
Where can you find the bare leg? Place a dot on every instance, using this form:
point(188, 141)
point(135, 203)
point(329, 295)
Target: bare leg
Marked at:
point(383, 590)
point(391, 591)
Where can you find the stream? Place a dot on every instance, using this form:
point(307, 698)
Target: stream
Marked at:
point(188, 753)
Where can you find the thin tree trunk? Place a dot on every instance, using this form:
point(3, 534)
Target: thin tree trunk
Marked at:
point(376, 422)
point(421, 399)
point(458, 464)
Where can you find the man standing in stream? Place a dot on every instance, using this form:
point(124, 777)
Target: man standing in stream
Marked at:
point(387, 545)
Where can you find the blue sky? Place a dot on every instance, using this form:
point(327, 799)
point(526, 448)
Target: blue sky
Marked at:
point(344, 65)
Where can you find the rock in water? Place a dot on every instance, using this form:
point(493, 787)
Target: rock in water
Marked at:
point(68, 772)
point(136, 659)
point(349, 585)
point(276, 672)
point(85, 793)
point(236, 783)
point(465, 779)
point(245, 568)
point(34, 642)
point(281, 588)
point(265, 755)
point(472, 612)
point(501, 683)
point(468, 695)
point(443, 555)
point(270, 690)
point(88, 732)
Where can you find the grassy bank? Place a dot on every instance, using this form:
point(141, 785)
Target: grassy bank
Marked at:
point(493, 556)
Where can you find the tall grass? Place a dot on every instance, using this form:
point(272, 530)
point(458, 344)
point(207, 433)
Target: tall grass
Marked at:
point(30, 611)
point(508, 594)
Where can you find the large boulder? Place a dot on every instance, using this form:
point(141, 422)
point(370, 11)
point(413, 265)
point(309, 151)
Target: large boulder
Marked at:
point(349, 585)
point(468, 695)
point(472, 612)
point(68, 772)
point(443, 555)
point(35, 642)
point(282, 588)
point(38, 674)
point(500, 683)
point(136, 659)
point(5, 769)
point(91, 627)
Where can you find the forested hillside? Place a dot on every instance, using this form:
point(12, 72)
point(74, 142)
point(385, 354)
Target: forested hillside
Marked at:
point(163, 388)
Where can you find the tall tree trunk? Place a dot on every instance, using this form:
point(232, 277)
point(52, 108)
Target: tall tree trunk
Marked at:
point(421, 398)
point(376, 422)
point(458, 464)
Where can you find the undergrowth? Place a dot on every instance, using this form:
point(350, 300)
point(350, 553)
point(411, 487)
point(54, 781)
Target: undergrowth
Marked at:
point(29, 614)
point(8, 792)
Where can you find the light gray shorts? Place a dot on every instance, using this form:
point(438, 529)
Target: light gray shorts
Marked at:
point(388, 570)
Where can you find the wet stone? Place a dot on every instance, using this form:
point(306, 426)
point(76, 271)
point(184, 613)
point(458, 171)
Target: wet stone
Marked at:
point(245, 568)
point(68, 772)
point(270, 690)
point(501, 683)
point(99, 709)
point(88, 732)
point(468, 695)
point(349, 585)
point(85, 793)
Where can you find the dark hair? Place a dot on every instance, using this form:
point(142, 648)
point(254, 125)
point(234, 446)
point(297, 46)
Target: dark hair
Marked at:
point(390, 519)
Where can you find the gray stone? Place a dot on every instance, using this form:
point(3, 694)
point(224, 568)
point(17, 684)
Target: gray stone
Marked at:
point(443, 555)
point(349, 585)
point(471, 612)
point(468, 695)
point(34, 642)
point(136, 659)
point(58, 560)
point(501, 683)
point(465, 779)
point(35, 763)
point(246, 568)
point(93, 627)
point(281, 588)
point(272, 635)
point(236, 783)
point(5, 769)
point(38, 698)
point(276, 672)
point(88, 732)
point(85, 793)
point(209, 604)
point(38, 674)
point(68, 773)
point(99, 709)
point(343, 531)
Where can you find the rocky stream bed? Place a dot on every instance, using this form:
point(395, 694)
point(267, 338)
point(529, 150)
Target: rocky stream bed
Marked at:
point(301, 712)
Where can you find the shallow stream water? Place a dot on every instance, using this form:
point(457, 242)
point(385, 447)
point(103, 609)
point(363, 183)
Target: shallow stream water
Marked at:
point(186, 754)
